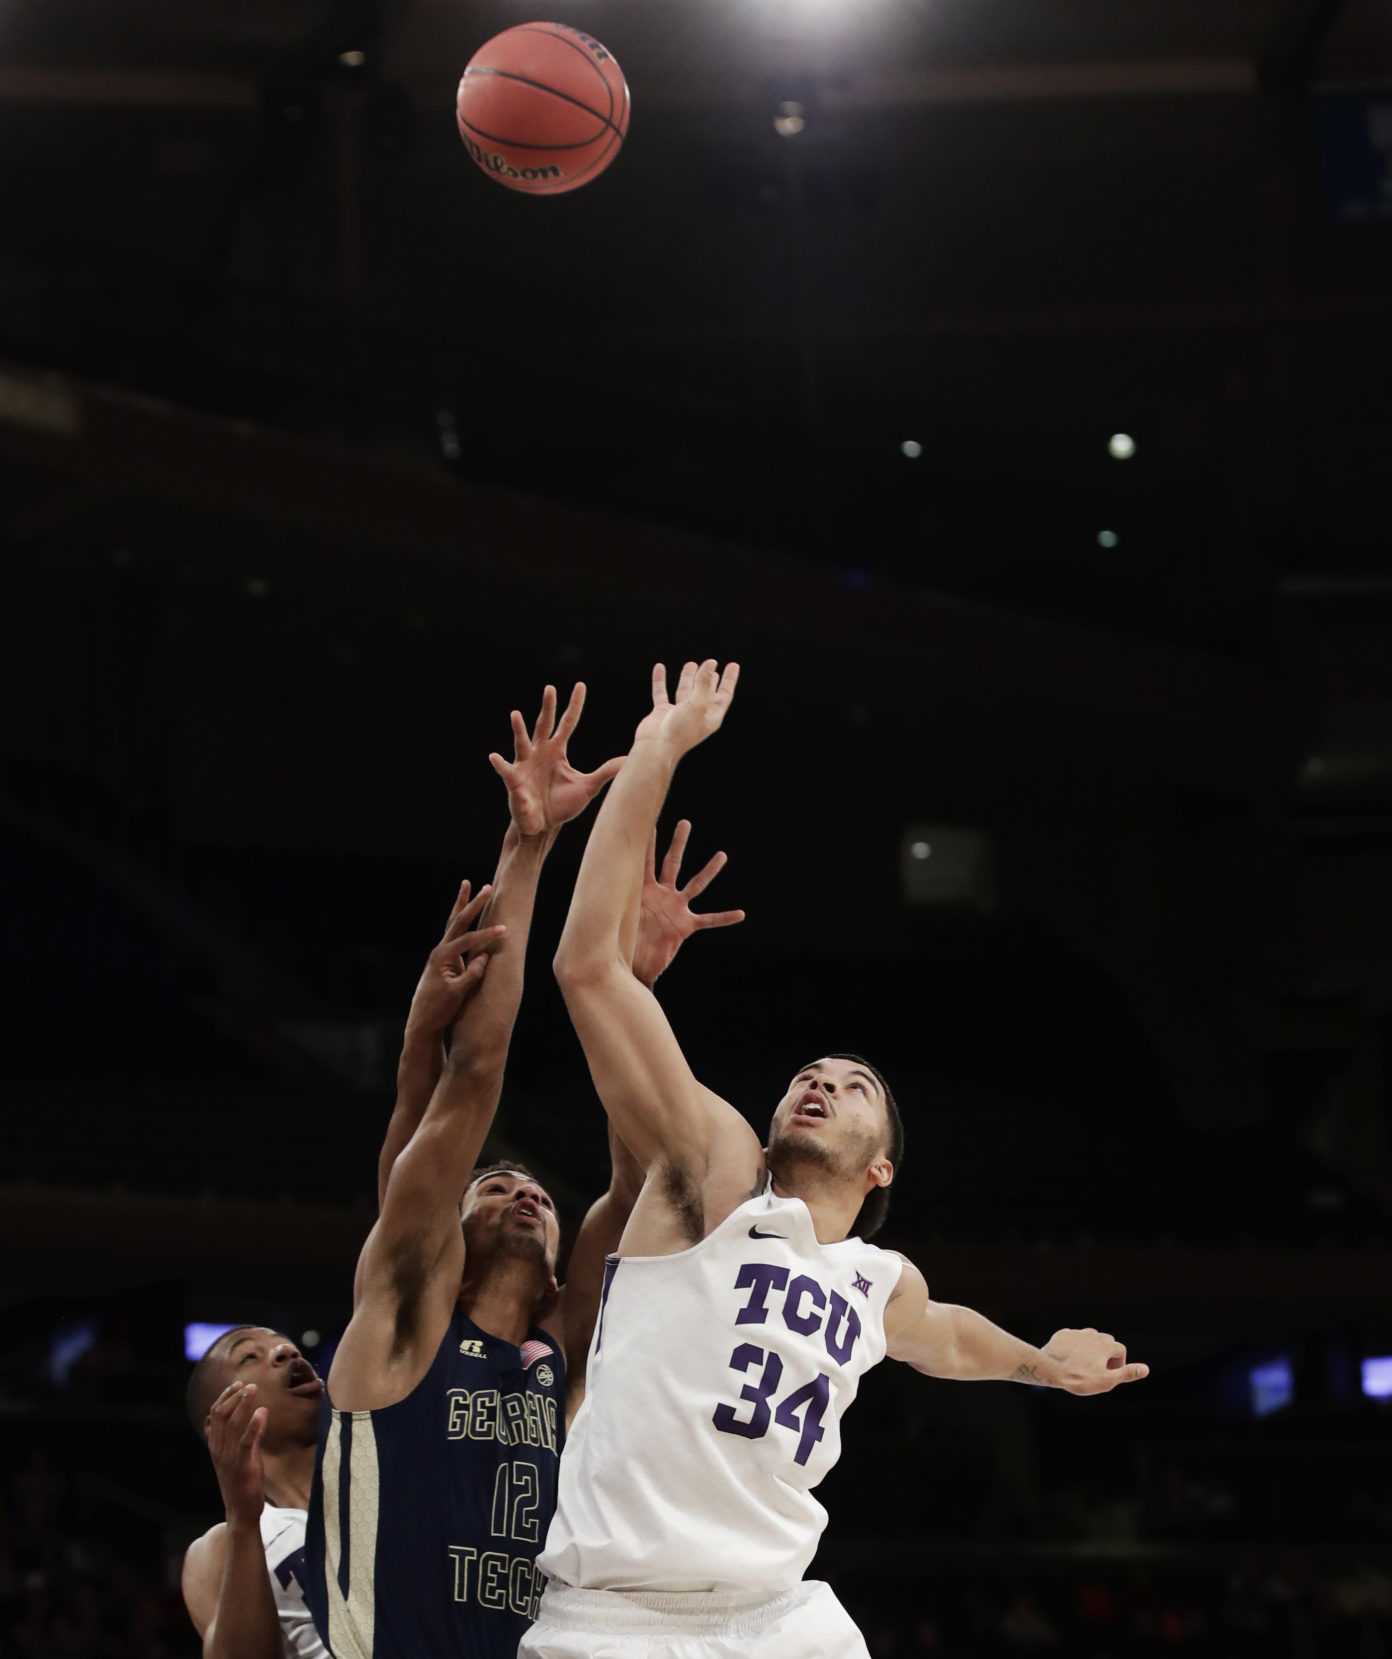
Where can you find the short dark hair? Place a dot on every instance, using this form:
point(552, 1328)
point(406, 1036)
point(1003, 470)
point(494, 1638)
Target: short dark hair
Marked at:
point(200, 1393)
point(873, 1211)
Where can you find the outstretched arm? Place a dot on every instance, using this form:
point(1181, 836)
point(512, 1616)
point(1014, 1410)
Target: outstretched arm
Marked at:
point(410, 1268)
point(226, 1586)
point(666, 921)
point(943, 1340)
point(543, 789)
point(659, 1109)
point(444, 983)
point(399, 1288)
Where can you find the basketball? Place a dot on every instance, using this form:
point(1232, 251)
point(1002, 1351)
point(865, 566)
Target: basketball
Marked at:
point(542, 108)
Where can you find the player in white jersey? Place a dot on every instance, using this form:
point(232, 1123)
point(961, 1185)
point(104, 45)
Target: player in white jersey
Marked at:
point(744, 1304)
point(257, 1399)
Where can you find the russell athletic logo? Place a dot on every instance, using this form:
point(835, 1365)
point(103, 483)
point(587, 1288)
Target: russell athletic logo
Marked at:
point(494, 163)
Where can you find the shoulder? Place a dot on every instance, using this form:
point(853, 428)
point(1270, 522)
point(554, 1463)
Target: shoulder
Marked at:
point(911, 1286)
point(736, 1176)
point(909, 1316)
point(734, 1173)
point(738, 1141)
point(211, 1547)
point(202, 1574)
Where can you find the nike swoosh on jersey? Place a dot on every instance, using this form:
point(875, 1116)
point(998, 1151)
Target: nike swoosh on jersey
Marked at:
point(755, 1233)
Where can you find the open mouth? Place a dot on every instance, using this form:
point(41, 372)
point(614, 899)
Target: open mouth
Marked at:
point(812, 1106)
point(525, 1210)
point(300, 1379)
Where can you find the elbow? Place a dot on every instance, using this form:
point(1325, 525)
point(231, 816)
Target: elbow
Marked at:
point(577, 967)
point(478, 1071)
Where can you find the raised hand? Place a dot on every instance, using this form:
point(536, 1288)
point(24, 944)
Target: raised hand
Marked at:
point(455, 968)
point(234, 1428)
point(696, 709)
point(544, 789)
point(668, 920)
point(1089, 1362)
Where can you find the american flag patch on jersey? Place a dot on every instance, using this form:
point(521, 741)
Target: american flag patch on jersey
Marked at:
point(532, 1350)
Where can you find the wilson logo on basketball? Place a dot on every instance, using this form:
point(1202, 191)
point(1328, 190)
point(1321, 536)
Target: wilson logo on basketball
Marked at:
point(492, 162)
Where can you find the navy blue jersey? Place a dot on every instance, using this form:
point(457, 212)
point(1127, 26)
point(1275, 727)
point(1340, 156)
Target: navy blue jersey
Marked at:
point(427, 1516)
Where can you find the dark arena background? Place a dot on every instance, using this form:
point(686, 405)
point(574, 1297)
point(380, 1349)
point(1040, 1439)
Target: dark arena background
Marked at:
point(1007, 384)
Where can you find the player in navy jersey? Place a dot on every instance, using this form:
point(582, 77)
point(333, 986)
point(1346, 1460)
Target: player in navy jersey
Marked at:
point(254, 1398)
point(744, 1305)
point(445, 1412)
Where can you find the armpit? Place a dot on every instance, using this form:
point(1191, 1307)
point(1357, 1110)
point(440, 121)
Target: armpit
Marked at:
point(681, 1191)
point(409, 1272)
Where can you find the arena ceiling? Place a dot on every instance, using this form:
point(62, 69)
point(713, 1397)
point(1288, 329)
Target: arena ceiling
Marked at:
point(1006, 232)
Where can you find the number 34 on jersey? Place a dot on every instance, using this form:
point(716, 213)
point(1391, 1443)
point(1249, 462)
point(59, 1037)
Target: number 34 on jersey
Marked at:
point(776, 1395)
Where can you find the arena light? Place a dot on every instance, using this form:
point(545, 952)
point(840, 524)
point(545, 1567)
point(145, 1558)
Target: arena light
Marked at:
point(1107, 538)
point(912, 448)
point(790, 120)
point(947, 867)
point(309, 1339)
point(447, 430)
point(1272, 1386)
point(200, 1336)
point(352, 60)
point(1121, 446)
point(1377, 1377)
point(71, 1341)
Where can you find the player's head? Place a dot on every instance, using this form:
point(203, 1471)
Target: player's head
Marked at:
point(286, 1383)
point(839, 1118)
point(506, 1213)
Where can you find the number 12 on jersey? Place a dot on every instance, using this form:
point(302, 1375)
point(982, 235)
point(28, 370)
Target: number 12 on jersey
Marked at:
point(811, 1400)
point(523, 1483)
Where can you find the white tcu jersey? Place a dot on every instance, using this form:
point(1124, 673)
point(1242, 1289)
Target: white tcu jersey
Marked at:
point(717, 1379)
point(283, 1534)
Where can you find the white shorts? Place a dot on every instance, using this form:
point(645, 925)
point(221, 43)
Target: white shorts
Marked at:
point(806, 1622)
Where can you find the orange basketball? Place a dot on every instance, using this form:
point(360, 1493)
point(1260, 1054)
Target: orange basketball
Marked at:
point(542, 108)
